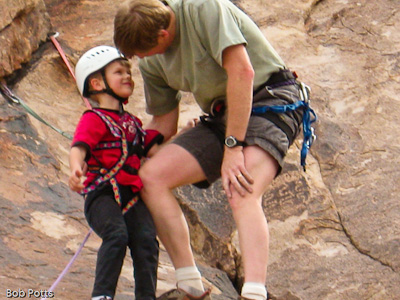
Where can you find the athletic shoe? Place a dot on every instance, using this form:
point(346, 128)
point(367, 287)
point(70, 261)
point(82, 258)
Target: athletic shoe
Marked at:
point(178, 294)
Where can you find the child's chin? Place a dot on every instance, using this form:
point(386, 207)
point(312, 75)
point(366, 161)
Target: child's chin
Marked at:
point(126, 95)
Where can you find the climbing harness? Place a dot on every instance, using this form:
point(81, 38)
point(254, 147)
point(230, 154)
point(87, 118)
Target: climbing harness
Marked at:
point(273, 112)
point(109, 175)
point(309, 117)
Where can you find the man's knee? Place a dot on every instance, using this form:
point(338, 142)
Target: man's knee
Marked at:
point(239, 203)
point(154, 175)
point(148, 174)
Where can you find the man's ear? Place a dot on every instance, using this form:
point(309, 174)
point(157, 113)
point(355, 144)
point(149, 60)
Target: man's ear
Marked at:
point(96, 84)
point(163, 33)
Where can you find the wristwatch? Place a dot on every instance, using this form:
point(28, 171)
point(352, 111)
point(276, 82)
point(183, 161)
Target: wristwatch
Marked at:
point(231, 141)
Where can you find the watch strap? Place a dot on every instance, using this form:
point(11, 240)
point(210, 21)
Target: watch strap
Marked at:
point(231, 141)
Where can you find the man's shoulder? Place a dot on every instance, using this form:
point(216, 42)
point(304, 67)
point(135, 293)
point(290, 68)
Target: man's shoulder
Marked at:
point(204, 2)
point(187, 5)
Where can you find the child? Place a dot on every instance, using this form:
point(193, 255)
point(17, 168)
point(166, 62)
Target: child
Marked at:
point(107, 148)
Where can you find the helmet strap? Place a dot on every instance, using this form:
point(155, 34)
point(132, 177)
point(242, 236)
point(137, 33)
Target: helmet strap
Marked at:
point(121, 107)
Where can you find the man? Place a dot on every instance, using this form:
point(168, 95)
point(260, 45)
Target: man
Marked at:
point(212, 49)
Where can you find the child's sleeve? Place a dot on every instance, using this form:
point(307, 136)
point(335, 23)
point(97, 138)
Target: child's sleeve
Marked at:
point(152, 138)
point(89, 132)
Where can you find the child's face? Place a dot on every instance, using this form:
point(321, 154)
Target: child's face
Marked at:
point(119, 78)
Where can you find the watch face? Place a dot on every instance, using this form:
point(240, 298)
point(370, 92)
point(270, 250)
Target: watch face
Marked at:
point(230, 141)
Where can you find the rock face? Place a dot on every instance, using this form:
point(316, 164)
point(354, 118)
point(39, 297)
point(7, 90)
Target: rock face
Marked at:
point(24, 25)
point(334, 229)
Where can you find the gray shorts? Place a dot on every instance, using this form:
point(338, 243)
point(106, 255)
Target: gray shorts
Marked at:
point(205, 141)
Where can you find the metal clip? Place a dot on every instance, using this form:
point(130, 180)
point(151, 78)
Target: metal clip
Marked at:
point(313, 135)
point(305, 91)
point(54, 34)
point(6, 92)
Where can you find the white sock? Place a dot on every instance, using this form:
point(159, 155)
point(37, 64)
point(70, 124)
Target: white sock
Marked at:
point(101, 297)
point(189, 280)
point(254, 290)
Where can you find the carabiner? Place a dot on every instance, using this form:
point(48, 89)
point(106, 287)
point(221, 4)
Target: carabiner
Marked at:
point(305, 91)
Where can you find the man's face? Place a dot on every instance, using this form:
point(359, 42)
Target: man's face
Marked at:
point(164, 41)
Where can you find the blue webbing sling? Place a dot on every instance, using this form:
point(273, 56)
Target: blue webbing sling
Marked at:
point(309, 117)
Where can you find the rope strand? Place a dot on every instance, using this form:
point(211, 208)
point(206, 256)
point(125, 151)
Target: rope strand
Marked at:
point(13, 99)
point(53, 38)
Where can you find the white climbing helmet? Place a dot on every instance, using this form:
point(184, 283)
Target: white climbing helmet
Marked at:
point(94, 60)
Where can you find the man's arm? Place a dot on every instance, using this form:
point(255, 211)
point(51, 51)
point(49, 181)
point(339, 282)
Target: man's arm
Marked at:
point(166, 124)
point(239, 94)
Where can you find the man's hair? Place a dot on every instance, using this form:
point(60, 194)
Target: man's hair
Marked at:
point(137, 25)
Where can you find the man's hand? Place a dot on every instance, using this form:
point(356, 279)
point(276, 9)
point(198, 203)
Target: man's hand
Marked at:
point(189, 125)
point(234, 174)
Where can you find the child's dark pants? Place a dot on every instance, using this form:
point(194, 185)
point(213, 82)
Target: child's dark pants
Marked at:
point(135, 229)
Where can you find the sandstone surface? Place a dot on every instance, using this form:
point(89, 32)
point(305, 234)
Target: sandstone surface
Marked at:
point(334, 229)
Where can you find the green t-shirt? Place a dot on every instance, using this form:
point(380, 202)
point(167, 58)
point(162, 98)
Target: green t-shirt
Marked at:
point(193, 62)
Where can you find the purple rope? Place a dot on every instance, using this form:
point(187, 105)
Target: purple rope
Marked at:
point(69, 264)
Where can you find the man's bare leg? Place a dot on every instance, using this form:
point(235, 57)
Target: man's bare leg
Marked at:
point(160, 175)
point(250, 219)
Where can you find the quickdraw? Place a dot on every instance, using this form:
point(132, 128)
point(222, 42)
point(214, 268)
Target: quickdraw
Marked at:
point(309, 117)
